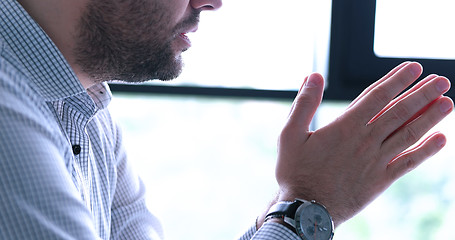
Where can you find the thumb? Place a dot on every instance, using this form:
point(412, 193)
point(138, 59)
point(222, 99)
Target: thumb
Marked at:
point(307, 102)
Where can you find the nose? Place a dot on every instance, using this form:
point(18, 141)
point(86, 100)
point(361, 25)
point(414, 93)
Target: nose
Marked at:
point(206, 4)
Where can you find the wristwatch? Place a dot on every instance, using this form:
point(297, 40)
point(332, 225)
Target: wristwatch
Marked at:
point(310, 219)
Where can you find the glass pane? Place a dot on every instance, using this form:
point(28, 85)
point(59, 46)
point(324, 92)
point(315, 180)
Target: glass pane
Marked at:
point(260, 44)
point(415, 29)
point(418, 206)
point(216, 157)
point(208, 163)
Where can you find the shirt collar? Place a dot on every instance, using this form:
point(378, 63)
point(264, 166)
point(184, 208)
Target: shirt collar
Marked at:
point(40, 58)
point(100, 94)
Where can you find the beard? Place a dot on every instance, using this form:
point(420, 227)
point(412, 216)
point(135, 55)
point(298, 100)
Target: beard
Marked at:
point(130, 41)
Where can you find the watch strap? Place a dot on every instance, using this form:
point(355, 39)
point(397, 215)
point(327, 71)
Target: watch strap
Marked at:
point(284, 209)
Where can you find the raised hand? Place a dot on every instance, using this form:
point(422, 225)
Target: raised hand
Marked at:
point(348, 163)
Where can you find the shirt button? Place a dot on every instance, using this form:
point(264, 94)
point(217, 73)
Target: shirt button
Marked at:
point(76, 149)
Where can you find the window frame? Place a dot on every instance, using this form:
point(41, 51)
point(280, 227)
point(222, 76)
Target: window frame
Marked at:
point(203, 91)
point(353, 66)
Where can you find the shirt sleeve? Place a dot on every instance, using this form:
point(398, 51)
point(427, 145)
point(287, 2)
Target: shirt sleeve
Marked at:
point(130, 217)
point(38, 199)
point(249, 234)
point(270, 231)
point(275, 231)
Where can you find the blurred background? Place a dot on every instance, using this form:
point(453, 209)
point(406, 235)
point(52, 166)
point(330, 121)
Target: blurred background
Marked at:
point(208, 159)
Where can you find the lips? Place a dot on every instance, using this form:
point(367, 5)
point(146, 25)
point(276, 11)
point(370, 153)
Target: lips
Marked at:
point(184, 37)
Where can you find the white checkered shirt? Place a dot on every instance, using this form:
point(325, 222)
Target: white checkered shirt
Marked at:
point(63, 171)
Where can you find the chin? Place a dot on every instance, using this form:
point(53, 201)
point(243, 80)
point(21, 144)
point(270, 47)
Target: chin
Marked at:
point(170, 74)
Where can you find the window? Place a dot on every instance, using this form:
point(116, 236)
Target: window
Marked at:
point(205, 144)
point(366, 43)
point(208, 163)
point(252, 48)
point(208, 139)
point(414, 29)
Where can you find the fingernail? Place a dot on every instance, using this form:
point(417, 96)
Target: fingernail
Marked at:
point(442, 85)
point(445, 106)
point(310, 83)
point(415, 70)
point(441, 141)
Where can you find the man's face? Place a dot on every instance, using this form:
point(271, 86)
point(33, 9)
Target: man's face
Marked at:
point(134, 40)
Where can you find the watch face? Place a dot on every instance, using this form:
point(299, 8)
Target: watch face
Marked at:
point(314, 222)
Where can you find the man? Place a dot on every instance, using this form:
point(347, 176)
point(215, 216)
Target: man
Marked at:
point(63, 171)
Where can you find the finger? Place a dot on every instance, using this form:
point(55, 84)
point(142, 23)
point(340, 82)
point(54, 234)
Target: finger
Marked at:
point(387, 76)
point(409, 160)
point(411, 133)
point(293, 103)
point(404, 95)
point(307, 102)
point(405, 110)
point(381, 95)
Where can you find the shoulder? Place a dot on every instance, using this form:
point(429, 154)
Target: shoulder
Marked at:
point(14, 82)
point(24, 115)
point(18, 96)
point(17, 88)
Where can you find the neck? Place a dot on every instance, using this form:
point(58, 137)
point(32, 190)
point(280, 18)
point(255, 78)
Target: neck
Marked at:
point(59, 20)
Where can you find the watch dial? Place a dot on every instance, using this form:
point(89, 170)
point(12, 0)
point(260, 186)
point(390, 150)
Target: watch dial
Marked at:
point(315, 223)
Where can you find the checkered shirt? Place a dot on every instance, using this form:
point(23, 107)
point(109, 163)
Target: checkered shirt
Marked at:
point(63, 171)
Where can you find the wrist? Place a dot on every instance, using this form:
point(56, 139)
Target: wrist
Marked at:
point(303, 217)
point(289, 195)
point(261, 218)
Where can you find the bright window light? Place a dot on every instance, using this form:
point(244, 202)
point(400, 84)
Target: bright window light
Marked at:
point(415, 29)
point(261, 44)
point(208, 162)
